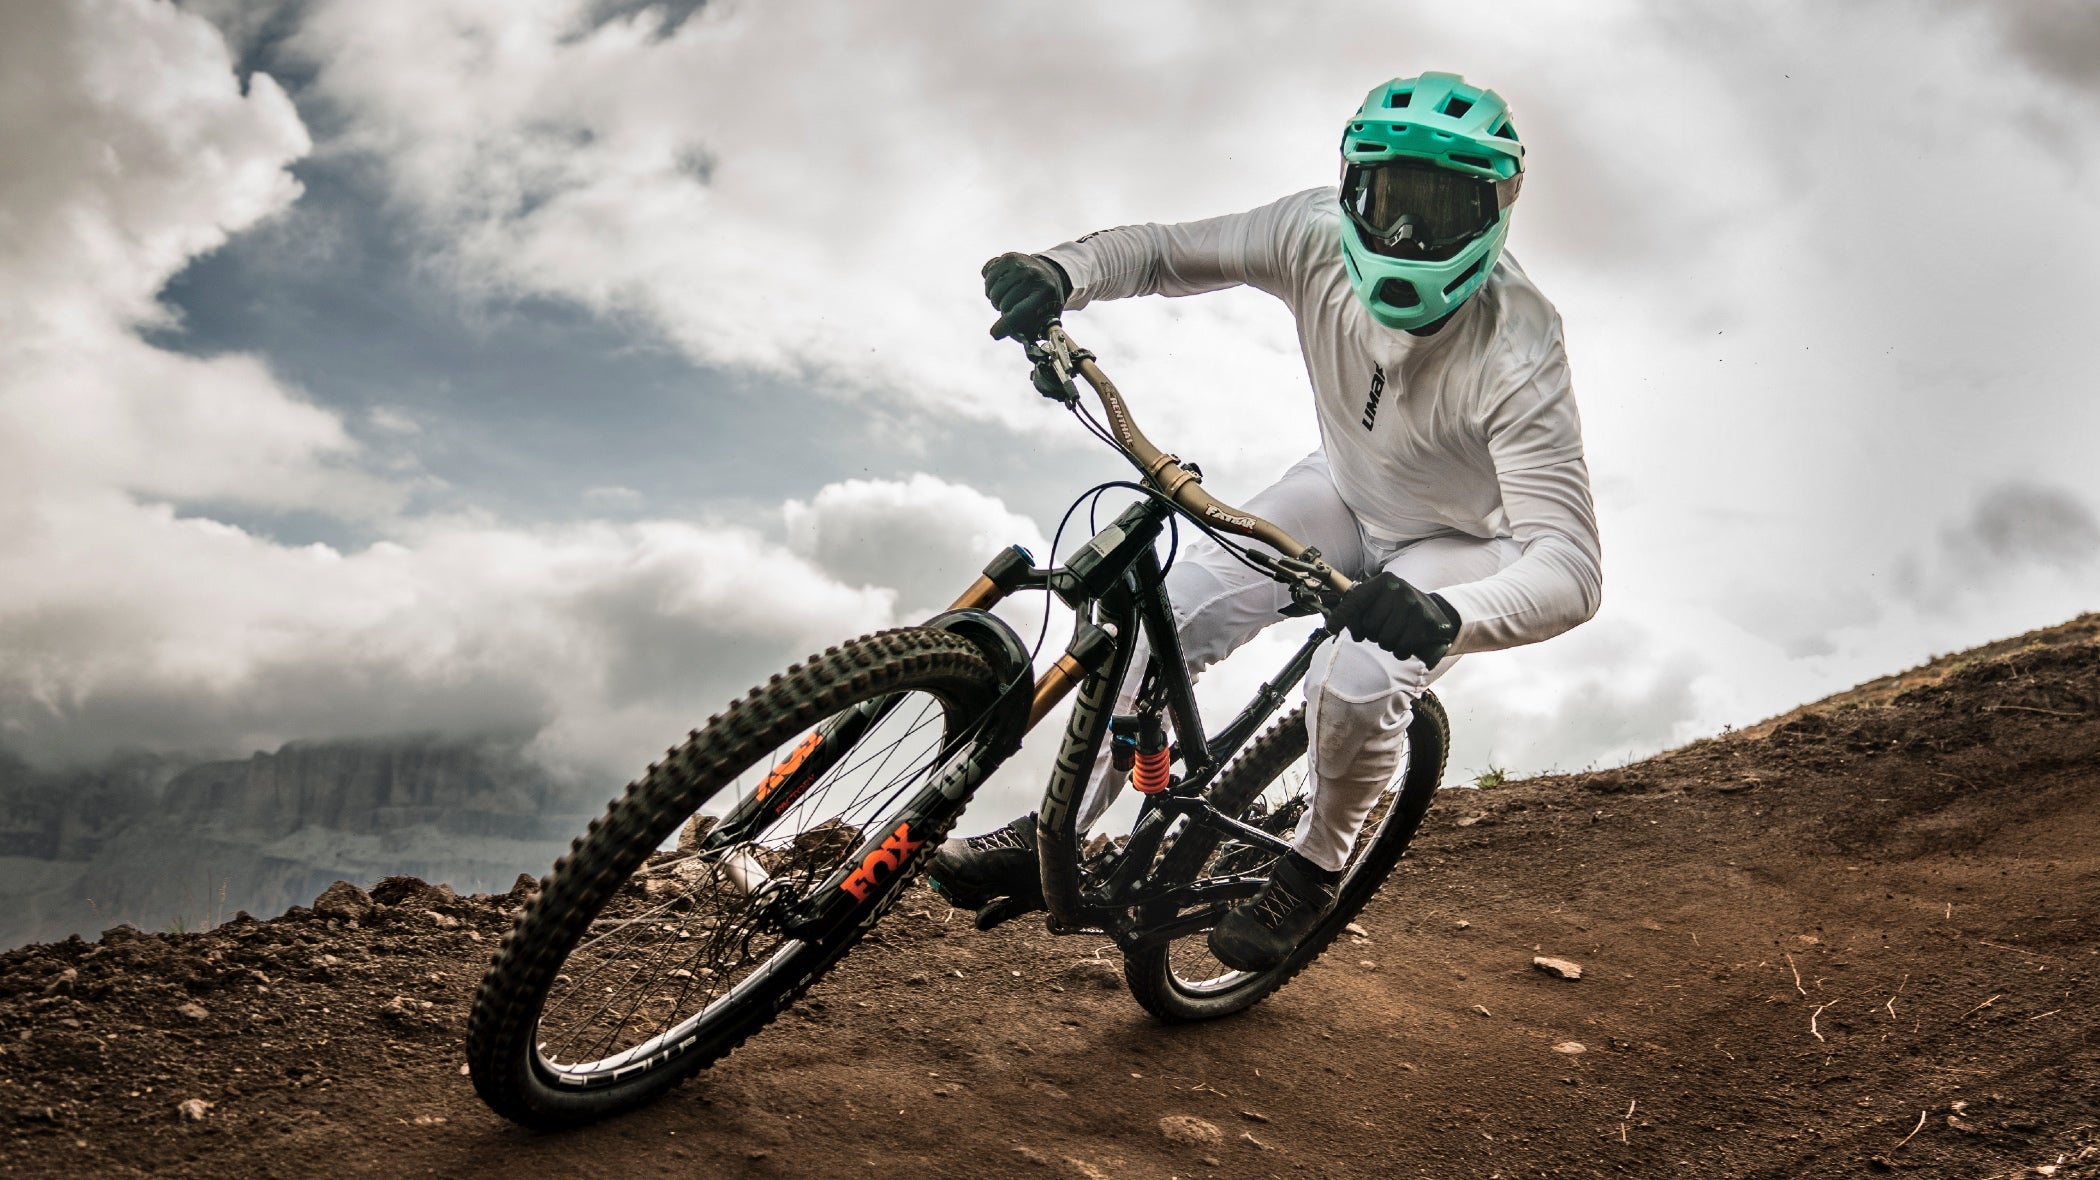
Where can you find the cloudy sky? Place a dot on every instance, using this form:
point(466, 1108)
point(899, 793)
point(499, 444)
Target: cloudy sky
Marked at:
point(558, 368)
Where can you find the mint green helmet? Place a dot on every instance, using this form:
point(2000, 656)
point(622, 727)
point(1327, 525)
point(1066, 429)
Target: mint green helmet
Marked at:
point(1430, 166)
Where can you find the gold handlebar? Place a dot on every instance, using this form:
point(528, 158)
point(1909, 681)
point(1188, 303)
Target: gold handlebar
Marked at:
point(1165, 472)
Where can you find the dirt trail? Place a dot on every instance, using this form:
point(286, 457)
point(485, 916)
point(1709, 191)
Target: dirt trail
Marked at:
point(1796, 940)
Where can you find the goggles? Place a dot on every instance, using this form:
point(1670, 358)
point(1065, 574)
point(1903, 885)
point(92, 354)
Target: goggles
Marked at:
point(1416, 210)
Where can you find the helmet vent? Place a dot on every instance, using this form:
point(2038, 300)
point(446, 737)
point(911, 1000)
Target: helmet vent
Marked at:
point(1463, 278)
point(1365, 145)
point(1475, 161)
point(1456, 106)
point(1508, 130)
point(1398, 98)
point(1401, 293)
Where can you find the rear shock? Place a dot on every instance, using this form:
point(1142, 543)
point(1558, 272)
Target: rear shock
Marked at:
point(1140, 749)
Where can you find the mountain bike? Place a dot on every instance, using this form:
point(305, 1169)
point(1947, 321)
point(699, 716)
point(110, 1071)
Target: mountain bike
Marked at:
point(739, 869)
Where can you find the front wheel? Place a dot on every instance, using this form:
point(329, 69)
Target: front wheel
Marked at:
point(637, 964)
point(1268, 787)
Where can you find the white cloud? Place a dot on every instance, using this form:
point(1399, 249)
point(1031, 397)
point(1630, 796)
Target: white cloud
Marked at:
point(1817, 290)
point(924, 536)
point(131, 616)
point(1821, 301)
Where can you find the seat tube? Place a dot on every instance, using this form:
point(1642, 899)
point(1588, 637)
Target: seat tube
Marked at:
point(1156, 611)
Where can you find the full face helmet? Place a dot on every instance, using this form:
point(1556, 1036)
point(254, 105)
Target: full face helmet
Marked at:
point(1430, 166)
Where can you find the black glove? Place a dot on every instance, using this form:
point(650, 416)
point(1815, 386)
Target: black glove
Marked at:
point(1029, 290)
point(1399, 618)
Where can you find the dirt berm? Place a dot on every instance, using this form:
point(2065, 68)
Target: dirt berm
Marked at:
point(1857, 939)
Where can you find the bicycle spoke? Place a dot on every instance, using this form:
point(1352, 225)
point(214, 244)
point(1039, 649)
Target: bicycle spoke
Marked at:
point(649, 966)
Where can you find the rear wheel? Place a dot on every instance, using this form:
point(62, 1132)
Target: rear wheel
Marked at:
point(637, 964)
point(1268, 786)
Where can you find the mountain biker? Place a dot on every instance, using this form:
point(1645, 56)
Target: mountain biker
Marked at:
point(1449, 481)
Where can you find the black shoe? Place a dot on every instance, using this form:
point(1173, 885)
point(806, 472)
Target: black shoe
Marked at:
point(1261, 933)
point(974, 873)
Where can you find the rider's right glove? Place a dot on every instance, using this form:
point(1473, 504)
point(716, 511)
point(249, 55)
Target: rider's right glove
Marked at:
point(1029, 290)
point(1385, 610)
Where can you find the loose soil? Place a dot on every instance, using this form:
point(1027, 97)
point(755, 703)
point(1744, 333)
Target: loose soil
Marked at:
point(1859, 938)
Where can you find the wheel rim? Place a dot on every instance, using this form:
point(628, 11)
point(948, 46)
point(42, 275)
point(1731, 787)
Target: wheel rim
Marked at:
point(694, 934)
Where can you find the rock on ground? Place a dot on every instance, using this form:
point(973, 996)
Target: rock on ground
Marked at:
point(1190, 1131)
point(1567, 969)
point(345, 901)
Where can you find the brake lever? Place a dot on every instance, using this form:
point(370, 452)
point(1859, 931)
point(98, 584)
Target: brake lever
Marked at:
point(1053, 370)
point(1310, 593)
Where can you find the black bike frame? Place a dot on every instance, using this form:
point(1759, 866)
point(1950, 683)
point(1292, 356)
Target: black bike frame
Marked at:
point(1116, 588)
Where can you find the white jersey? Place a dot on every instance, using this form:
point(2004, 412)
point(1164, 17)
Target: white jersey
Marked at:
point(1471, 431)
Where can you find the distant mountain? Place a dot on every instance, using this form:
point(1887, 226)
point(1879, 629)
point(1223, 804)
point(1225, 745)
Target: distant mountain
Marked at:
point(169, 843)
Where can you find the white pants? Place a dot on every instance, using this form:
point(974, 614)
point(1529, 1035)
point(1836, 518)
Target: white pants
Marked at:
point(1359, 698)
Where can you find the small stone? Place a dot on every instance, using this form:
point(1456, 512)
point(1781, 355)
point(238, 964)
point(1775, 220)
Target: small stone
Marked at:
point(1248, 1137)
point(345, 901)
point(695, 831)
point(1462, 924)
point(442, 921)
point(1481, 1010)
point(1558, 968)
point(1367, 964)
point(1470, 820)
point(1254, 1116)
point(63, 981)
point(1357, 929)
point(1032, 1156)
point(1571, 1048)
point(1186, 1130)
point(918, 979)
point(1097, 972)
point(525, 886)
point(192, 1010)
point(193, 1110)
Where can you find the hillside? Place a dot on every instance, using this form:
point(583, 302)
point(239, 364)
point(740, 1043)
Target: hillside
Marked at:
point(167, 843)
point(1863, 937)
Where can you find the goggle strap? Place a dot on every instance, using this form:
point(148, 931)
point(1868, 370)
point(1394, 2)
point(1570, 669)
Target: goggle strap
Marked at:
point(1506, 191)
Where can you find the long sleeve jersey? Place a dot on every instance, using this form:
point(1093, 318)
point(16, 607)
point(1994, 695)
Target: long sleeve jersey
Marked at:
point(1470, 431)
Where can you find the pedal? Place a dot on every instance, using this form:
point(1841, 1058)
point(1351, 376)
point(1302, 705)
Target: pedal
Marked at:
point(1005, 910)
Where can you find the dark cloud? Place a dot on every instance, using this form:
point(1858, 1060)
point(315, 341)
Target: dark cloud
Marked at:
point(2059, 37)
point(523, 405)
point(668, 16)
point(2025, 524)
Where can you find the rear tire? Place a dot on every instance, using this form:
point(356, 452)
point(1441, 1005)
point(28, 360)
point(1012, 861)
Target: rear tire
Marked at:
point(689, 945)
point(1265, 786)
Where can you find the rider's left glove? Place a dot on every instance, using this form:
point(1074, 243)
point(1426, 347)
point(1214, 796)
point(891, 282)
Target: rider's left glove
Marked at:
point(1029, 290)
point(1385, 610)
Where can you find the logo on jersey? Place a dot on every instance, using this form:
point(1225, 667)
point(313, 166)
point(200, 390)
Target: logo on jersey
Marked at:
point(1371, 400)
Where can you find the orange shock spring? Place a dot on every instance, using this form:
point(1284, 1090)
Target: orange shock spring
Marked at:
point(1148, 772)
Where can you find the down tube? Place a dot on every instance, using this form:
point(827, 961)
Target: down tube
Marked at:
point(1069, 779)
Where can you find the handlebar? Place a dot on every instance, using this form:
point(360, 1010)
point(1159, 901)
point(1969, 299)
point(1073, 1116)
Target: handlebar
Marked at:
point(1171, 478)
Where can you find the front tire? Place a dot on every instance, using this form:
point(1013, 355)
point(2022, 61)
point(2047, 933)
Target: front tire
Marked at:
point(633, 967)
point(1267, 786)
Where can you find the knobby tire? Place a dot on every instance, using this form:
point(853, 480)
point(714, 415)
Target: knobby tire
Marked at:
point(503, 1032)
point(1150, 971)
